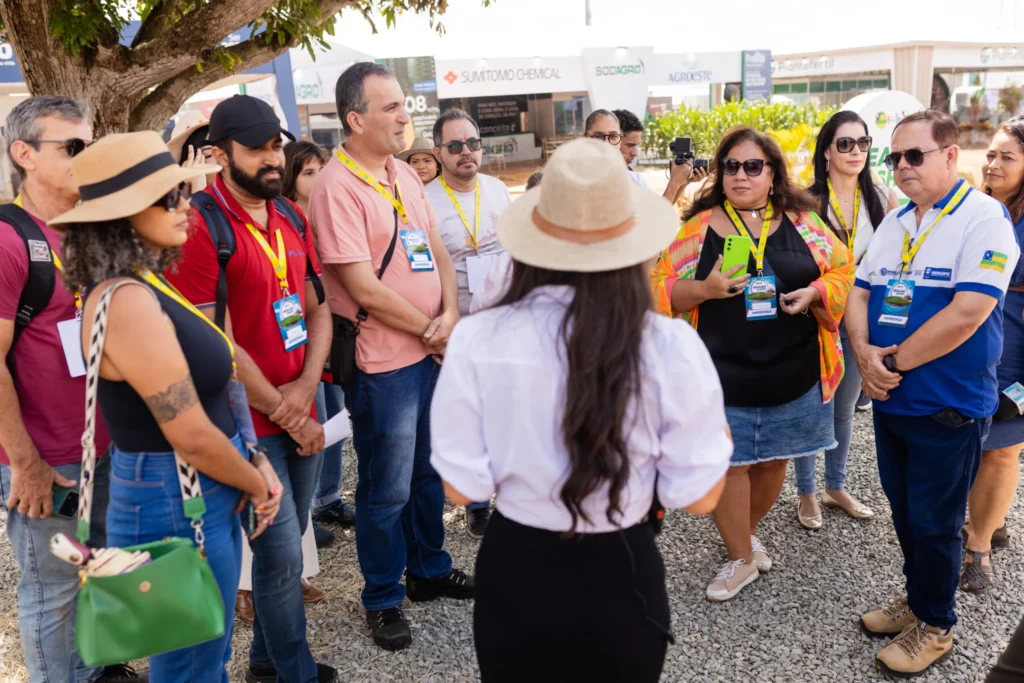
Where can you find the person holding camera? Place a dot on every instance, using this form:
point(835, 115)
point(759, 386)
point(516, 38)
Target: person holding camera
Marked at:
point(769, 313)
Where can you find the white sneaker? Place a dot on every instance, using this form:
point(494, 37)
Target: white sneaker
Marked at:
point(731, 580)
point(762, 560)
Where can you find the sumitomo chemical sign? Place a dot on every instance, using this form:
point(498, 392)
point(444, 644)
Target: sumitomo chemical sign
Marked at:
point(508, 76)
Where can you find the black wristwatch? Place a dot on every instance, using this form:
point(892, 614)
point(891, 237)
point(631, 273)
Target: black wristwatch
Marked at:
point(890, 364)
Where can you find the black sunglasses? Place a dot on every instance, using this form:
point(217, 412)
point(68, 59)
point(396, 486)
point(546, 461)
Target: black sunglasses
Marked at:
point(752, 167)
point(455, 146)
point(845, 145)
point(915, 157)
point(170, 200)
point(72, 146)
point(610, 138)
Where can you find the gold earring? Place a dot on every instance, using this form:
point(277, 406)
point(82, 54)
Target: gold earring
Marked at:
point(826, 164)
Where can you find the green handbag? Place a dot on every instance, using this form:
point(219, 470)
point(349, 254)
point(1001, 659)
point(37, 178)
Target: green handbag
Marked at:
point(171, 603)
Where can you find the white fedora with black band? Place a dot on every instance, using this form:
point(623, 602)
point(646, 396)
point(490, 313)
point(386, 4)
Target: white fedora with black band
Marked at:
point(123, 174)
point(587, 216)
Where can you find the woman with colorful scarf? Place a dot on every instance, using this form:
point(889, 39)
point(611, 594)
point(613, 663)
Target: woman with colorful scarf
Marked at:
point(771, 323)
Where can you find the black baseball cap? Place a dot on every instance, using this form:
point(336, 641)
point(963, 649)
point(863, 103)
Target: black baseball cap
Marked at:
point(247, 120)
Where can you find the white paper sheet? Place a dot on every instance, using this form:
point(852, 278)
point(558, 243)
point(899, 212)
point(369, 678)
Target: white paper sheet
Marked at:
point(337, 428)
point(476, 269)
point(70, 332)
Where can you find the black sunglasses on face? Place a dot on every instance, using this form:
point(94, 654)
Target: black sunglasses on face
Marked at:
point(752, 167)
point(455, 146)
point(915, 157)
point(845, 145)
point(72, 146)
point(170, 200)
point(610, 138)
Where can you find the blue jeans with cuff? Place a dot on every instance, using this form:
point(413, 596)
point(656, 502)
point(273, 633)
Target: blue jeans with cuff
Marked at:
point(330, 400)
point(48, 586)
point(399, 495)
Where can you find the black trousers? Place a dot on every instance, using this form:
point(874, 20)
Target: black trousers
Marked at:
point(1010, 667)
point(551, 609)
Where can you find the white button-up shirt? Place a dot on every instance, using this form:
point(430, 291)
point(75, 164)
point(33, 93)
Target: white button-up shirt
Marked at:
point(497, 412)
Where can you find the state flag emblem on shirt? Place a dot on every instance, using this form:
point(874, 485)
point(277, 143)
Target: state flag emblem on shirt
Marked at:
point(993, 260)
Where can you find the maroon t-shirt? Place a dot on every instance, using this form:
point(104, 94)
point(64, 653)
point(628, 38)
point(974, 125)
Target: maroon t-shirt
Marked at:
point(52, 402)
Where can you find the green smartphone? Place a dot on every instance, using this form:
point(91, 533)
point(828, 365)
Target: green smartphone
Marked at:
point(736, 253)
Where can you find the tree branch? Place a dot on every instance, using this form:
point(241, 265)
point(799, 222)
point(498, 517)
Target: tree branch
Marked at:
point(203, 29)
point(157, 20)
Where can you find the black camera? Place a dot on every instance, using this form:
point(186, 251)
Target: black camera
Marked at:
point(681, 151)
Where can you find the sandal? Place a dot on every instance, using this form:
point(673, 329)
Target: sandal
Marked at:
point(974, 578)
point(1000, 537)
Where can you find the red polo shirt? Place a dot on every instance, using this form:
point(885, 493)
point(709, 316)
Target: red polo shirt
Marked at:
point(252, 287)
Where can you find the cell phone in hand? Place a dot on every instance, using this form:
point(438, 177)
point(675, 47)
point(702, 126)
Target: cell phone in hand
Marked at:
point(249, 522)
point(65, 502)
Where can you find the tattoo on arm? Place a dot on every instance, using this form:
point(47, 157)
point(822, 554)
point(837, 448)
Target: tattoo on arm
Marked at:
point(172, 401)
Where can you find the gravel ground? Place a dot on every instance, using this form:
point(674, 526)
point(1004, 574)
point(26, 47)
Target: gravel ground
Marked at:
point(796, 624)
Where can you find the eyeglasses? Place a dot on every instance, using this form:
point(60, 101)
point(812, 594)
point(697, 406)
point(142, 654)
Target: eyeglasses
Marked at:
point(610, 138)
point(845, 145)
point(72, 146)
point(915, 157)
point(455, 146)
point(752, 167)
point(170, 200)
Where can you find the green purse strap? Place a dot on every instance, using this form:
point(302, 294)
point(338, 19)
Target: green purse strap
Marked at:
point(188, 478)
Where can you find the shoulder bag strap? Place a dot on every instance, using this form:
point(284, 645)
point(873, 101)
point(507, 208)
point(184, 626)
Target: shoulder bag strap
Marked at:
point(42, 273)
point(188, 477)
point(362, 314)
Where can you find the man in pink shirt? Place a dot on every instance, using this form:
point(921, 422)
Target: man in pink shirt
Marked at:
point(42, 393)
point(365, 205)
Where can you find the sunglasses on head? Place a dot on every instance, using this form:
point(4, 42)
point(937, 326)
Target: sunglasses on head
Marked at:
point(455, 146)
point(914, 157)
point(752, 167)
point(170, 200)
point(72, 146)
point(610, 138)
point(845, 145)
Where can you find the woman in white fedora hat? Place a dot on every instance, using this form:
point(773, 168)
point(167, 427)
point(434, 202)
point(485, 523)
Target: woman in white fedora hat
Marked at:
point(164, 374)
point(566, 400)
point(420, 156)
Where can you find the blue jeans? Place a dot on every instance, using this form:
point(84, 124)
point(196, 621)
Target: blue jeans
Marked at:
point(145, 506)
point(48, 587)
point(927, 467)
point(330, 400)
point(399, 495)
point(279, 625)
point(845, 402)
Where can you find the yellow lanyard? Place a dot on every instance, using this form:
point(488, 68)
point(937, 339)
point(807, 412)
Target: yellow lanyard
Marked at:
point(279, 260)
point(851, 236)
point(17, 200)
point(762, 241)
point(474, 230)
point(172, 292)
point(374, 183)
point(912, 246)
point(74, 292)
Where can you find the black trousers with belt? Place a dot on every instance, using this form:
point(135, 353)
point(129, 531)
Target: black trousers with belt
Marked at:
point(590, 608)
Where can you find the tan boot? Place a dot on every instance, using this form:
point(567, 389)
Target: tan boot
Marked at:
point(914, 650)
point(890, 621)
point(243, 606)
point(312, 593)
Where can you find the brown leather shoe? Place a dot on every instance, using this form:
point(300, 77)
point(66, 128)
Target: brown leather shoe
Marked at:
point(890, 621)
point(312, 593)
point(243, 606)
point(914, 650)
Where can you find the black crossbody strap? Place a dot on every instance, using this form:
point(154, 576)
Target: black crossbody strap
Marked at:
point(362, 314)
point(42, 273)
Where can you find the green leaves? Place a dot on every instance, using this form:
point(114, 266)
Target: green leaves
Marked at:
point(82, 24)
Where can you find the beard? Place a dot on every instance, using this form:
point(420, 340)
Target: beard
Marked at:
point(464, 171)
point(255, 184)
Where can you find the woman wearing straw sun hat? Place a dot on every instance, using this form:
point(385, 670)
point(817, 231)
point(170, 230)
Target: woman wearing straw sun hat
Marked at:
point(164, 374)
point(566, 400)
point(420, 156)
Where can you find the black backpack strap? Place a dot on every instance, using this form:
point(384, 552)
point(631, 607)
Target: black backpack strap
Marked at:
point(224, 240)
point(42, 273)
point(286, 208)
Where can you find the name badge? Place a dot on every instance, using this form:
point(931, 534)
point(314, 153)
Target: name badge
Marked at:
point(761, 298)
point(1015, 392)
point(70, 332)
point(290, 321)
point(418, 250)
point(899, 294)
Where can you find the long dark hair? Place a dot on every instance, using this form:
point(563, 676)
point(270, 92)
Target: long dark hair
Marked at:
point(296, 154)
point(602, 330)
point(1014, 128)
point(786, 196)
point(94, 252)
point(819, 188)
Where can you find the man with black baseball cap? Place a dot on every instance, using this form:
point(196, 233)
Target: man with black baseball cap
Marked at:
point(266, 296)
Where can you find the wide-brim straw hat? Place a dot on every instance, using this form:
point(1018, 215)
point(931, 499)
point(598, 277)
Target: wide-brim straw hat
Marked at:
point(187, 123)
point(587, 216)
point(124, 174)
point(420, 145)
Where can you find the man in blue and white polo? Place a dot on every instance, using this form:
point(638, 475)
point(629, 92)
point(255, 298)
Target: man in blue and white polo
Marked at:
point(925, 324)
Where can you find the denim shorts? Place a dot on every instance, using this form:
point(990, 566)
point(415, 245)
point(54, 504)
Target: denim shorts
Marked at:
point(801, 427)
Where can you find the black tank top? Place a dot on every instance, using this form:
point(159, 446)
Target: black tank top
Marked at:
point(131, 424)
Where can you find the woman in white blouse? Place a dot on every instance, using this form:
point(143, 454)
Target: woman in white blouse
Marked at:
point(574, 403)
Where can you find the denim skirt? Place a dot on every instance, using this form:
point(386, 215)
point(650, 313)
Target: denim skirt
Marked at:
point(803, 426)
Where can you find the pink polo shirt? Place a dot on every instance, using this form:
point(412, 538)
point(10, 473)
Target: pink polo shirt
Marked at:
point(353, 223)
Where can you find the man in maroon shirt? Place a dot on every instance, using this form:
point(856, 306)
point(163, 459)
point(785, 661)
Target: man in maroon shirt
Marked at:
point(42, 400)
point(282, 335)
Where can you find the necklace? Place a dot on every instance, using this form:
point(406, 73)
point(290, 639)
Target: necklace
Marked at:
point(755, 211)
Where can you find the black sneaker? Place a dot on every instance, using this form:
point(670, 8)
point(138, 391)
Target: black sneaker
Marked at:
point(389, 628)
point(322, 536)
point(458, 585)
point(119, 673)
point(268, 674)
point(336, 513)
point(476, 521)
point(863, 403)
